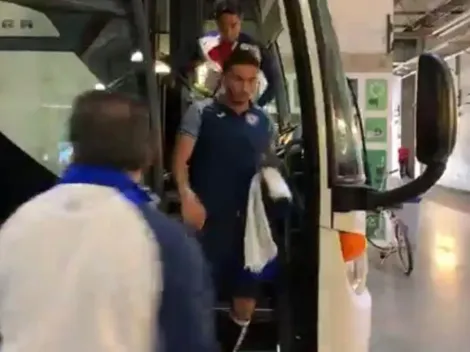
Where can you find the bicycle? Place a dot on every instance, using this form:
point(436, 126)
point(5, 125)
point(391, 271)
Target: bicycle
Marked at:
point(400, 243)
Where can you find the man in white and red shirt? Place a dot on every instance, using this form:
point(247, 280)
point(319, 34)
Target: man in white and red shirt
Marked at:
point(215, 47)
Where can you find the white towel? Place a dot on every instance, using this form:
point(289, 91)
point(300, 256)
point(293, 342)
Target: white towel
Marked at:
point(260, 247)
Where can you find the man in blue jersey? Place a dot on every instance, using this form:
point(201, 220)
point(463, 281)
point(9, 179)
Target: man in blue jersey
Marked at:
point(215, 47)
point(92, 265)
point(221, 145)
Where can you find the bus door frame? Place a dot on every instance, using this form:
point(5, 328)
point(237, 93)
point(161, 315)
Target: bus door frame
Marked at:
point(143, 20)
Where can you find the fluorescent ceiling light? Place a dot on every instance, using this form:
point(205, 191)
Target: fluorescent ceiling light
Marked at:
point(451, 26)
point(100, 86)
point(454, 28)
point(454, 55)
point(56, 106)
point(137, 56)
point(162, 68)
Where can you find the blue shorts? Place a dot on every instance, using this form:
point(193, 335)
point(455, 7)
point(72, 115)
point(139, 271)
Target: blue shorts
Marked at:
point(222, 243)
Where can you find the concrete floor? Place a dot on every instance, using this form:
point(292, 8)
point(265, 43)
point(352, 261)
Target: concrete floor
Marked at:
point(430, 310)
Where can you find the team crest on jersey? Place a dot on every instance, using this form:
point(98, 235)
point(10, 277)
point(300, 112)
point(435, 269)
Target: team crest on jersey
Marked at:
point(252, 119)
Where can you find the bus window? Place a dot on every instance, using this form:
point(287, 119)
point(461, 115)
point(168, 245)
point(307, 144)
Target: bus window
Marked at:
point(50, 61)
point(272, 107)
point(346, 145)
point(347, 155)
point(284, 109)
point(347, 149)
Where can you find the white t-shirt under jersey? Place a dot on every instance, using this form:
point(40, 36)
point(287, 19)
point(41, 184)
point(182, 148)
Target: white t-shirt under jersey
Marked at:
point(79, 272)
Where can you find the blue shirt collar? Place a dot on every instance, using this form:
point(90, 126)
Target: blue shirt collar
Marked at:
point(219, 102)
point(108, 177)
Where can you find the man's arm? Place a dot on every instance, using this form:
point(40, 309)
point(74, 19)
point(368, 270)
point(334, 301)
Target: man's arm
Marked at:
point(185, 142)
point(269, 71)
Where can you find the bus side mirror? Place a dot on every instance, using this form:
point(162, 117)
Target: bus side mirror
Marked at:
point(436, 127)
point(436, 111)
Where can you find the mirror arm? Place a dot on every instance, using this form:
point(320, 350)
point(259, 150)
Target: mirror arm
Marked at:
point(410, 190)
point(352, 197)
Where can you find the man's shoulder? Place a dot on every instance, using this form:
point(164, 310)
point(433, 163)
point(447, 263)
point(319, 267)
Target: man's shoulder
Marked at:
point(248, 39)
point(194, 115)
point(204, 104)
point(258, 110)
point(242, 37)
point(69, 203)
point(211, 34)
point(209, 40)
point(32, 208)
point(170, 234)
point(204, 107)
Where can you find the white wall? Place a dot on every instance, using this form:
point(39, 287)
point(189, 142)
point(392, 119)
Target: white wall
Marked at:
point(361, 24)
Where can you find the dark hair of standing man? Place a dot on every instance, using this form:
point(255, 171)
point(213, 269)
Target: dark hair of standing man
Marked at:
point(111, 129)
point(231, 7)
point(240, 57)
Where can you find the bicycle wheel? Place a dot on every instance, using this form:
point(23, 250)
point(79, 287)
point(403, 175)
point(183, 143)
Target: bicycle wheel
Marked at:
point(405, 252)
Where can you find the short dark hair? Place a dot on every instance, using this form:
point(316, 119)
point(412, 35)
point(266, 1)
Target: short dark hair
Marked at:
point(232, 7)
point(240, 57)
point(111, 129)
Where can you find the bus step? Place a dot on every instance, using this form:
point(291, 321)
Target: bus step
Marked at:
point(261, 315)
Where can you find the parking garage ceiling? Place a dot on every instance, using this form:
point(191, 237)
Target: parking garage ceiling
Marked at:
point(439, 26)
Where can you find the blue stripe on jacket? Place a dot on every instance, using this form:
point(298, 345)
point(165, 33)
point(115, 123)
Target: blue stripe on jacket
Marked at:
point(186, 315)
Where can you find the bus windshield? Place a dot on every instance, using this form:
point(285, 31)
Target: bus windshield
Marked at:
point(49, 56)
point(348, 149)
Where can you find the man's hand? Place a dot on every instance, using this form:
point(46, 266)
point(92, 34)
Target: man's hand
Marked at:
point(192, 210)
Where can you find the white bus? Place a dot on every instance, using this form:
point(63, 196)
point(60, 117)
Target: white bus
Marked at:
point(50, 51)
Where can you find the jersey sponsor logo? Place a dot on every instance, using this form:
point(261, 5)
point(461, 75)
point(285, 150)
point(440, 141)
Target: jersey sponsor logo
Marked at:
point(252, 119)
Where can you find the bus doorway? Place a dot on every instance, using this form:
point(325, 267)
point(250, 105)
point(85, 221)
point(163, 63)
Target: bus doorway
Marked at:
point(266, 23)
point(101, 46)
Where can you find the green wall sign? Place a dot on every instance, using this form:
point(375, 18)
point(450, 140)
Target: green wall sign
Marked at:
point(375, 228)
point(376, 94)
point(376, 129)
point(377, 161)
